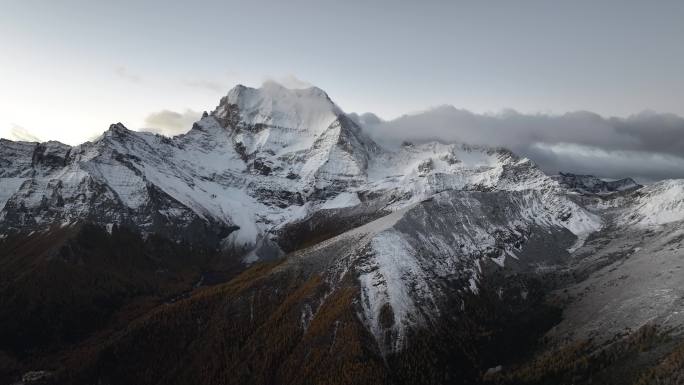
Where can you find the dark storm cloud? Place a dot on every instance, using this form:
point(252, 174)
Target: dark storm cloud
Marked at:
point(654, 132)
point(647, 146)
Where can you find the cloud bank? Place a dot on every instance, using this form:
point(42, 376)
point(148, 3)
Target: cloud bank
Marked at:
point(647, 146)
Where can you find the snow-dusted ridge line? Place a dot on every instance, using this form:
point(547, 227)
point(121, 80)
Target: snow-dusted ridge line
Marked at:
point(656, 205)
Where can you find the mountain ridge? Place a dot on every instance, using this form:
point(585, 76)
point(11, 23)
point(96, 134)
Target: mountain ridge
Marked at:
point(589, 184)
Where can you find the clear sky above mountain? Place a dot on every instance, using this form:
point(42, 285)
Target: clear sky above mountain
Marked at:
point(70, 68)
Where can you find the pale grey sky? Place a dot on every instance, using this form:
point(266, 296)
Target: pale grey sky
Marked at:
point(70, 68)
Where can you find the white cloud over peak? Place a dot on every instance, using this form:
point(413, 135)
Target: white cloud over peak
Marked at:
point(170, 123)
point(289, 81)
point(21, 134)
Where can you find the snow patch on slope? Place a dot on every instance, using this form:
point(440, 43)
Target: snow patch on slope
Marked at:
point(660, 203)
point(387, 283)
point(345, 199)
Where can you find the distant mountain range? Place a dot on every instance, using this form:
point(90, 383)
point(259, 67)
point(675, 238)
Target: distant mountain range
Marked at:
point(589, 184)
point(277, 243)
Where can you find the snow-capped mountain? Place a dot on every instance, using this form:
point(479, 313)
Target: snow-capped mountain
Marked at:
point(263, 159)
point(246, 168)
point(268, 160)
point(382, 248)
point(421, 223)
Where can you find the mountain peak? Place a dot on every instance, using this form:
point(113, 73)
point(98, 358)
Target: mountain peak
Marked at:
point(276, 90)
point(118, 128)
point(273, 105)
